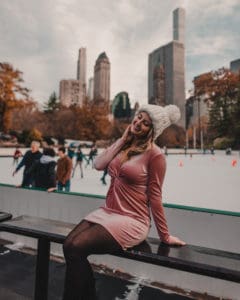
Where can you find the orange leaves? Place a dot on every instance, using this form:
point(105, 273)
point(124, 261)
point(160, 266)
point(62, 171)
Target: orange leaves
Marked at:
point(12, 94)
point(216, 83)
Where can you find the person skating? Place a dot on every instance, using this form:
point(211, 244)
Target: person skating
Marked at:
point(64, 170)
point(79, 159)
point(43, 171)
point(29, 158)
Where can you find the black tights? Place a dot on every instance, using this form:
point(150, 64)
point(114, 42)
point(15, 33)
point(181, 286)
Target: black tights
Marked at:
point(85, 239)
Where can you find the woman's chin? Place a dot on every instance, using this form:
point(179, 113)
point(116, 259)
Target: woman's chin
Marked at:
point(137, 134)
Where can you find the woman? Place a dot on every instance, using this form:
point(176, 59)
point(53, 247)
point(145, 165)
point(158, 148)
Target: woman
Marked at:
point(137, 168)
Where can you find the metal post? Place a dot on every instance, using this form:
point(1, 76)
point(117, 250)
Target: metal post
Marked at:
point(42, 266)
point(194, 137)
point(199, 121)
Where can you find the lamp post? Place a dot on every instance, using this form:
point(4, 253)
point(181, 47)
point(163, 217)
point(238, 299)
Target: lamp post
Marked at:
point(198, 98)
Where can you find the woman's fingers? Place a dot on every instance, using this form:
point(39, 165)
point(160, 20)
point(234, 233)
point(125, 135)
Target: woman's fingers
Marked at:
point(173, 240)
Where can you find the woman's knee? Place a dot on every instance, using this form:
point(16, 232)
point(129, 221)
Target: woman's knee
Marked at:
point(73, 248)
point(69, 248)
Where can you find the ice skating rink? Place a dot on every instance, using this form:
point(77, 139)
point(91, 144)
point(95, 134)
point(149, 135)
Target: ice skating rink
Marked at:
point(209, 181)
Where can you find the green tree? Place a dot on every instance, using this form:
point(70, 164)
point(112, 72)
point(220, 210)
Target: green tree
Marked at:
point(52, 104)
point(220, 89)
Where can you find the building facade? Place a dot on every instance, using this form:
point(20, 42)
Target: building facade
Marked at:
point(82, 65)
point(102, 80)
point(235, 66)
point(90, 88)
point(166, 69)
point(71, 92)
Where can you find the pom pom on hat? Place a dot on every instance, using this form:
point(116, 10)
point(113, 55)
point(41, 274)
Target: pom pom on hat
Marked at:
point(161, 116)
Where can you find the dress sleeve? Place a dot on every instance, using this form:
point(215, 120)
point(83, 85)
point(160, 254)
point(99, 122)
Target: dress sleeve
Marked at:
point(157, 169)
point(105, 157)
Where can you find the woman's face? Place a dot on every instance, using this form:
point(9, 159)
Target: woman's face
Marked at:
point(141, 124)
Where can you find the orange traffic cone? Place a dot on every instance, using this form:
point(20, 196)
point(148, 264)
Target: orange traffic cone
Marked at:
point(180, 163)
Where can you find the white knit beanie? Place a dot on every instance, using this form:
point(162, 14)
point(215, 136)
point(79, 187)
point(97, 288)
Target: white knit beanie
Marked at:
point(161, 116)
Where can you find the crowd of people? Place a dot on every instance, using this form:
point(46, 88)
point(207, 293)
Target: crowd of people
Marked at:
point(42, 170)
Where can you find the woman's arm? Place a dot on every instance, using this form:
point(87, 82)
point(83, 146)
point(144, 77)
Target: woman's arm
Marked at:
point(157, 169)
point(102, 160)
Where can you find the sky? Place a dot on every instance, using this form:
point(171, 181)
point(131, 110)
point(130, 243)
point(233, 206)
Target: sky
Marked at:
point(42, 38)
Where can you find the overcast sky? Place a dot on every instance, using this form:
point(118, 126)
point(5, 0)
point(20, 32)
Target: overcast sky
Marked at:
point(42, 38)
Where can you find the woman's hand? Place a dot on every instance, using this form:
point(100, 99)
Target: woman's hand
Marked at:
point(173, 240)
point(127, 135)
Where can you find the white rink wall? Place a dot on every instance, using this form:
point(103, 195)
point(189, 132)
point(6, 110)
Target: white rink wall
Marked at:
point(210, 229)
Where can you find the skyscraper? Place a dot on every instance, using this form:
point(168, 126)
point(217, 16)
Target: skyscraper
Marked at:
point(73, 91)
point(166, 69)
point(179, 25)
point(81, 65)
point(90, 88)
point(102, 80)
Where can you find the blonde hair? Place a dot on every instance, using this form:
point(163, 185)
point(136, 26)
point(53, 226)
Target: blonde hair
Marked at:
point(130, 149)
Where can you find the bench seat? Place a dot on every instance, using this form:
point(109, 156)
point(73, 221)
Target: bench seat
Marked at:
point(189, 258)
point(4, 216)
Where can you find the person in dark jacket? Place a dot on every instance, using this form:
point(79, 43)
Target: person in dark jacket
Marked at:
point(79, 158)
point(43, 171)
point(29, 158)
point(91, 156)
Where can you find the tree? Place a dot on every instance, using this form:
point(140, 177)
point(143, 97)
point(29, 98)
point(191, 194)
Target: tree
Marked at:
point(34, 135)
point(52, 104)
point(12, 94)
point(172, 137)
point(220, 90)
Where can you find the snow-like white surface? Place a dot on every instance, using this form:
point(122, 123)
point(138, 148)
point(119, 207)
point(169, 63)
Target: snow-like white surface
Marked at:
point(201, 180)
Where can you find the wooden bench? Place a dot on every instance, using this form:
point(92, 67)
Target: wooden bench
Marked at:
point(4, 216)
point(194, 259)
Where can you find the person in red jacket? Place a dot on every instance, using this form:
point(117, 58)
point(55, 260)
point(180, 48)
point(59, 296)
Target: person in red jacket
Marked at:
point(137, 169)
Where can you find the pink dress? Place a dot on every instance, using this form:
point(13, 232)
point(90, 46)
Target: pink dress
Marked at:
point(136, 187)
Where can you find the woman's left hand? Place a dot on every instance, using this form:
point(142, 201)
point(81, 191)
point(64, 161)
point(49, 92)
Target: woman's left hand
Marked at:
point(173, 240)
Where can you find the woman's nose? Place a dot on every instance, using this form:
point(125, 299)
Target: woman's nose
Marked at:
point(138, 122)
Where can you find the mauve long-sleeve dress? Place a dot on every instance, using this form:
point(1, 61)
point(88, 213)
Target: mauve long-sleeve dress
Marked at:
point(136, 187)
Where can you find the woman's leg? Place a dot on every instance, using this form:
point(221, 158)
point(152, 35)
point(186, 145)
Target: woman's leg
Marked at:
point(74, 168)
point(86, 238)
point(81, 168)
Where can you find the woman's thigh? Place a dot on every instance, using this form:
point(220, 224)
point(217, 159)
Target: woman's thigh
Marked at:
point(83, 225)
point(94, 239)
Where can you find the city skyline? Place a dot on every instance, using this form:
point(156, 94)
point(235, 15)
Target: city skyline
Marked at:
point(42, 39)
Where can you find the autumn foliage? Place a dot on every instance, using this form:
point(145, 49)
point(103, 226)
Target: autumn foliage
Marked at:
point(12, 94)
point(82, 123)
point(221, 91)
